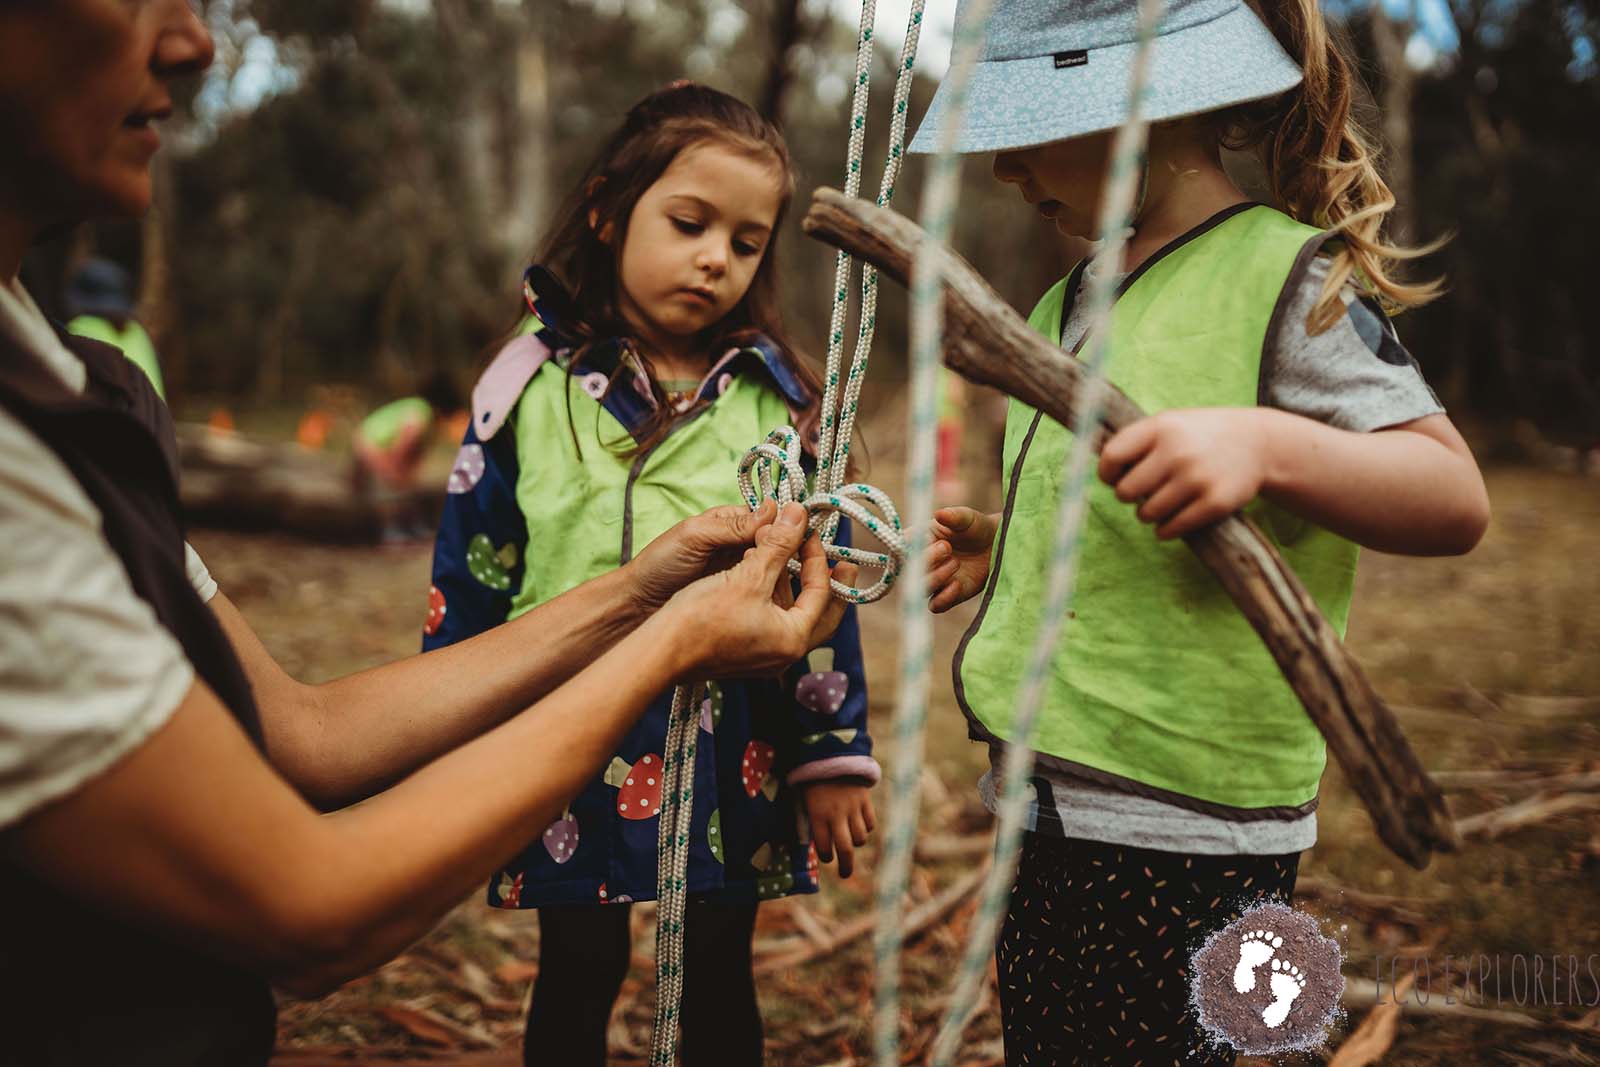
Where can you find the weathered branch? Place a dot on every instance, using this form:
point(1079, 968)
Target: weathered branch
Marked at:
point(988, 342)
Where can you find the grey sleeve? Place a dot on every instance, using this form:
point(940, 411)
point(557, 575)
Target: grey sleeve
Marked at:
point(1356, 375)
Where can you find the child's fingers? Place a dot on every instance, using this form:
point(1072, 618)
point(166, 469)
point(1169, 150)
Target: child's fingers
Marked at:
point(1168, 501)
point(947, 598)
point(1125, 449)
point(822, 838)
point(869, 816)
point(1203, 511)
point(844, 846)
point(1149, 473)
point(858, 829)
point(939, 576)
point(956, 518)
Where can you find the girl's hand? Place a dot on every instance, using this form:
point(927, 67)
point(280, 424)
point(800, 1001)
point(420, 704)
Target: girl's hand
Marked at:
point(958, 555)
point(841, 817)
point(747, 621)
point(1188, 468)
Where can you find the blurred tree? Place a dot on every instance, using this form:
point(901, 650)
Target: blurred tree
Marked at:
point(359, 205)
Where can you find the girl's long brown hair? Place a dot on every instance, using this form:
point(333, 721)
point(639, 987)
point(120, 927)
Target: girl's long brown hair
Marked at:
point(1322, 166)
point(650, 137)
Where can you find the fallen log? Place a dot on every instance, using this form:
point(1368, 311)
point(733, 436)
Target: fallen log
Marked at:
point(234, 483)
point(986, 341)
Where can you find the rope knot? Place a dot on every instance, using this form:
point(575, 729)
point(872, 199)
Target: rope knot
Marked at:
point(771, 470)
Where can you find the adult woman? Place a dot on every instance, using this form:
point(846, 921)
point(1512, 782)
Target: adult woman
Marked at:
point(159, 774)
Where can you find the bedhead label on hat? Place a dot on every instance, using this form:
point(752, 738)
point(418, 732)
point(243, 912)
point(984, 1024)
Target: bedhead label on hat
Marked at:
point(1076, 58)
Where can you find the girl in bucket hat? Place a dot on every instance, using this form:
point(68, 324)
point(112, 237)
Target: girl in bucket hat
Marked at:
point(1176, 777)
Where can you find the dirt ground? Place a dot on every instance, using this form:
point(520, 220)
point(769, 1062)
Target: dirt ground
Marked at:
point(1491, 661)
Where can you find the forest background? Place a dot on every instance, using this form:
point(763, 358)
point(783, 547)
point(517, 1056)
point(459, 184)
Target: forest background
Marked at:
point(350, 195)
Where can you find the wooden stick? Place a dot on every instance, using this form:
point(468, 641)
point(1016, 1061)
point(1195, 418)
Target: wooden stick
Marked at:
point(1394, 909)
point(986, 341)
point(927, 914)
point(1573, 782)
point(1373, 1037)
point(1536, 809)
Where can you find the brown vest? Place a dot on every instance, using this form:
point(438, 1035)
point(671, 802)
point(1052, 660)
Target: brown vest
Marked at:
point(76, 985)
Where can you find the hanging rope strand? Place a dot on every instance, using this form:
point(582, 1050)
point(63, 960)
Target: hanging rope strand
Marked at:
point(672, 841)
point(1118, 210)
point(939, 200)
point(772, 469)
point(831, 475)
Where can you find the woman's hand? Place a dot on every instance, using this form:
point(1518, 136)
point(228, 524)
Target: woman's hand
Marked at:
point(700, 545)
point(958, 557)
point(841, 817)
point(1187, 468)
point(746, 621)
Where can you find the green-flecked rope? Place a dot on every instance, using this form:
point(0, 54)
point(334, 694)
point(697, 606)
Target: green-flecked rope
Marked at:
point(1117, 213)
point(838, 414)
point(672, 839)
point(772, 469)
point(916, 633)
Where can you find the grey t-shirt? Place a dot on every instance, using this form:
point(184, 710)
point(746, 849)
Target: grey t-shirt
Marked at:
point(1356, 376)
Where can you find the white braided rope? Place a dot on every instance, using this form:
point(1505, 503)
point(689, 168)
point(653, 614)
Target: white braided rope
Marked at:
point(780, 452)
point(772, 470)
point(672, 840)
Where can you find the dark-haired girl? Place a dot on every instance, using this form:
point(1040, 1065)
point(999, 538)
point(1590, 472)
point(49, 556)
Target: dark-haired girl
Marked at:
point(650, 358)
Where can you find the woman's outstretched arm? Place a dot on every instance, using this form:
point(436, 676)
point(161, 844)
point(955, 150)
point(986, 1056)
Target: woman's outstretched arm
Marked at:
point(345, 739)
point(195, 833)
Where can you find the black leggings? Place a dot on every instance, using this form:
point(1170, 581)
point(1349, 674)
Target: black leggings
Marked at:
point(584, 952)
point(1093, 954)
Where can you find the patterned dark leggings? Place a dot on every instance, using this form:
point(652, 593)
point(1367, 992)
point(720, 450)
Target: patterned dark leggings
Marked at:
point(584, 953)
point(1094, 951)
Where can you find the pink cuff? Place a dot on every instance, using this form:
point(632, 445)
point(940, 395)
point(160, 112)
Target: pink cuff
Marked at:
point(837, 767)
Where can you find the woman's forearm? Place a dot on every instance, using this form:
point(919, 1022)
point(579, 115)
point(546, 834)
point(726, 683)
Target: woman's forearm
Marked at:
point(1413, 489)
point(348, 738)
point(473, 809)
point(194, 833)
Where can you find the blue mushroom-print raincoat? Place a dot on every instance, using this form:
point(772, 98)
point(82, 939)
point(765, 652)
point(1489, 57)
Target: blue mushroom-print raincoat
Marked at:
point(540, 501)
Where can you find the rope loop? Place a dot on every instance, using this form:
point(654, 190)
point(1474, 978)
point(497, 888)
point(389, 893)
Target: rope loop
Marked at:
point(772, 471)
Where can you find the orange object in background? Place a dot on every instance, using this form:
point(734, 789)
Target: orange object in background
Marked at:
point(312, 433)
point(455, 427)
point(221, 421)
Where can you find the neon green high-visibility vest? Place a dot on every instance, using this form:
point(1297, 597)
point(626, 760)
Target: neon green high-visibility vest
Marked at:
point(1160, 685)
point(587, 514)
point(132, 340)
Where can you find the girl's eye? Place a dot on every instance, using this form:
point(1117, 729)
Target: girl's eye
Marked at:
point(692, 227)
point(746, 248)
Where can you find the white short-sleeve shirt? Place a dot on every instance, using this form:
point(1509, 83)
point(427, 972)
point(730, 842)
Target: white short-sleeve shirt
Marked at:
point(87, 672)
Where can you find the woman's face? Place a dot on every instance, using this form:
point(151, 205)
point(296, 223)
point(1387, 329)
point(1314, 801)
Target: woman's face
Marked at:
point(81, 84)
point(1063, 179)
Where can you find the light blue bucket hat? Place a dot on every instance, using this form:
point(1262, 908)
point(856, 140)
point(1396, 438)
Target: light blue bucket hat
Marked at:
point(1054, 69)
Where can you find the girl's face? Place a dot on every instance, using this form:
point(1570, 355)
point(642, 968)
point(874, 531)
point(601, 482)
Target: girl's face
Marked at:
point(694, 241)
point(1064, 179)
point(81, 82)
